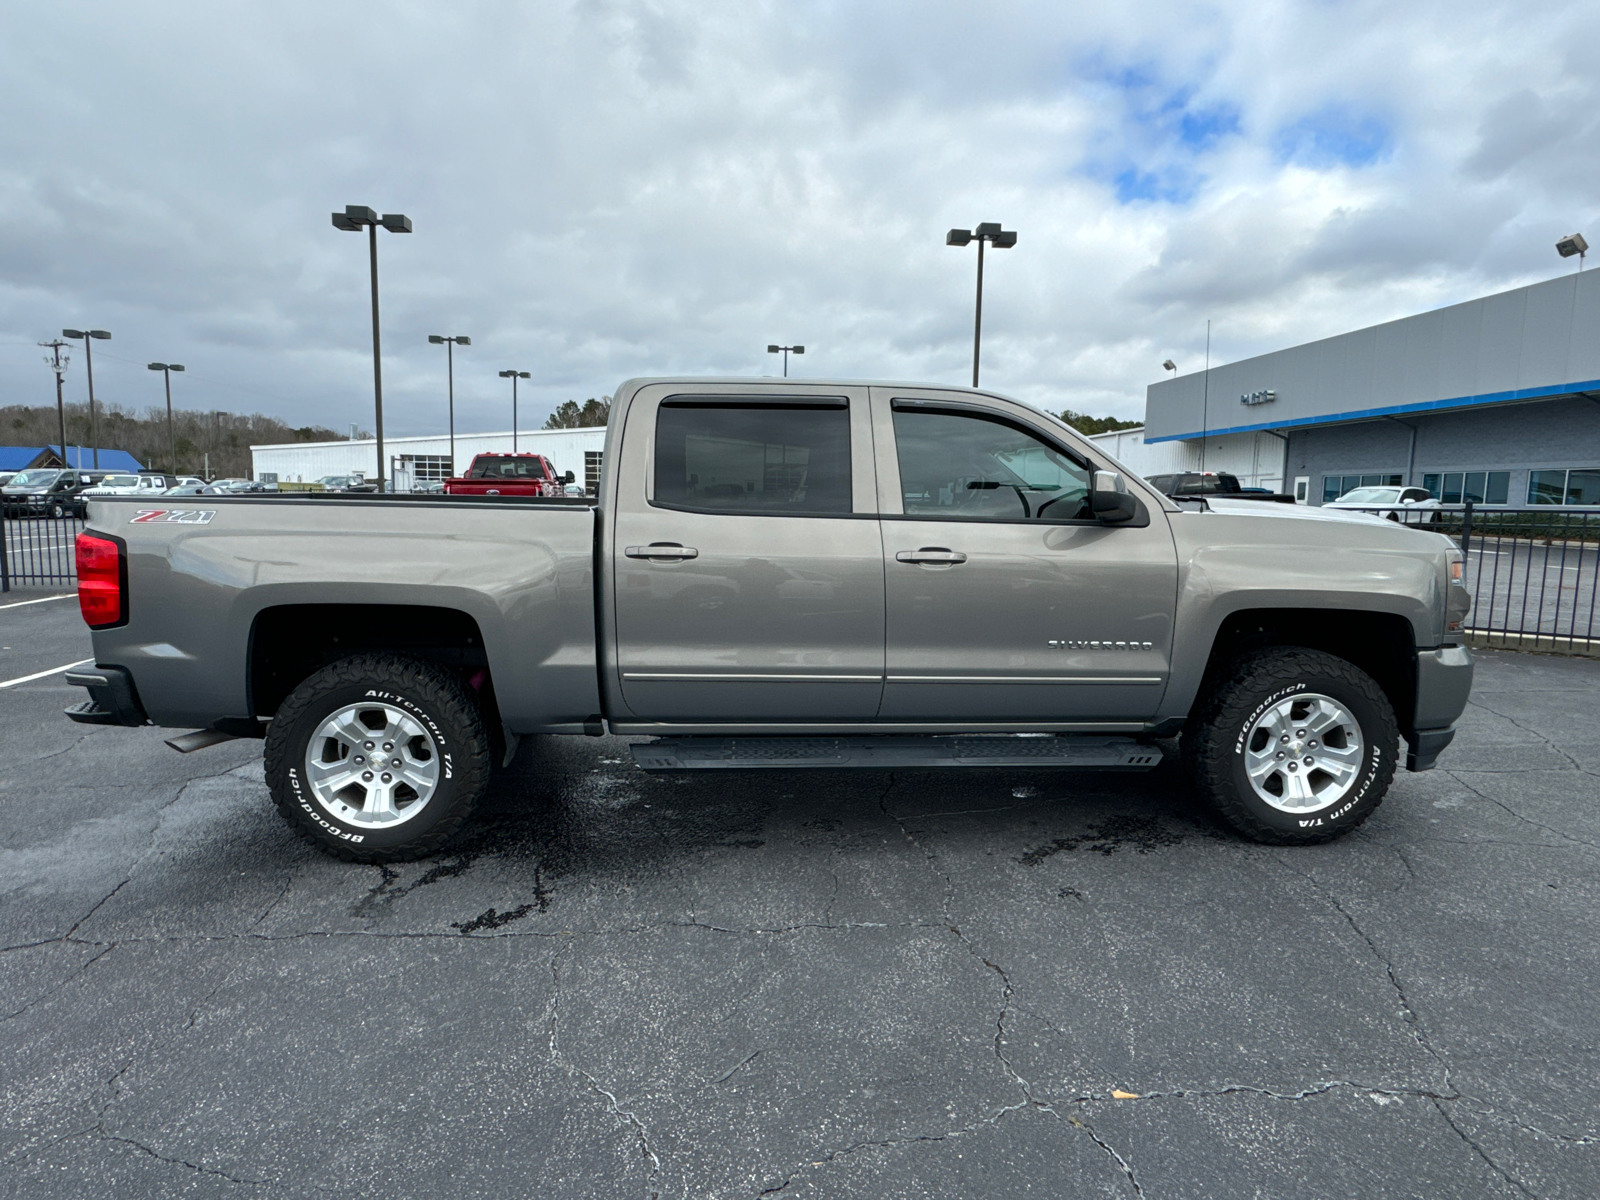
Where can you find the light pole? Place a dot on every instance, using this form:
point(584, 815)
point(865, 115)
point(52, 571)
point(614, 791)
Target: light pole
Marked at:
point(1000, 239)
point(1573, 243)
point(450, 344)
point(172, 442)
point(513, 376)
point(87, 336)
point(787, 350)
point(351, 220)
point(58, 365)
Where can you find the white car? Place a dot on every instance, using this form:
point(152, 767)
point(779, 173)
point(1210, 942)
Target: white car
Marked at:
point(128, 485)
point(1388, 501)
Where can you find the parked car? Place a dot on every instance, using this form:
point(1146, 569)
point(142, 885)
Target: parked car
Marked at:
point(1387, 501)
point(1207, 484)
point(142, 484)
point(47, 491)
point(192, 488)
point(6, 477)
point(509, 475)
point(234, 487)
point(794, 575)
point(346, 483)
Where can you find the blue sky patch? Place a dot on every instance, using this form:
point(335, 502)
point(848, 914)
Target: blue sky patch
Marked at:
point(1334, 136)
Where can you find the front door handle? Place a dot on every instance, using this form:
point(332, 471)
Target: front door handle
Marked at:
point(662, 551)
point(932, 555)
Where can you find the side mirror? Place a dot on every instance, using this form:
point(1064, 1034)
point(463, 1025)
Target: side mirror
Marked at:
point(1110, 500)
point(569, 477)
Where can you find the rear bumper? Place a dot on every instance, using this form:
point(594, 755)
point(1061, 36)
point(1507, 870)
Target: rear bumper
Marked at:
point(112, 698)
point(1444, 681)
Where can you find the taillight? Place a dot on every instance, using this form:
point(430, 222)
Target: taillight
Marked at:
point(100, 580)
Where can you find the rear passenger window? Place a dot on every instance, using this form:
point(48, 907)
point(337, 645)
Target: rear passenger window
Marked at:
point(956, 465)
point(772, 459)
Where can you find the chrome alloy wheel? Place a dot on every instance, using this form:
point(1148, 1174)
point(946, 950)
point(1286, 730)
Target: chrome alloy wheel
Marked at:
point(1304, 754)
point(372, 765)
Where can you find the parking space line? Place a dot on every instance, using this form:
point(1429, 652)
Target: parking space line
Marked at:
point(41, 600)
point(44, 674)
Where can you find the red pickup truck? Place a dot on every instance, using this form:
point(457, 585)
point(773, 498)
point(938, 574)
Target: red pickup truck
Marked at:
point(509, 475)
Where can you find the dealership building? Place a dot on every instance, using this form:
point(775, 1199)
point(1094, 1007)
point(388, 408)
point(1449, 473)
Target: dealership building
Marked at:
point(1496, 401)
point(415, 460)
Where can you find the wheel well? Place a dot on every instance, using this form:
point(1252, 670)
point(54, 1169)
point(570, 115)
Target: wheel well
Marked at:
point(291, 641)
point(1381, 644)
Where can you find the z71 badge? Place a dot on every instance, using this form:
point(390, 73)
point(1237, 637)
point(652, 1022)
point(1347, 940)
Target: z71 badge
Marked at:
point(174, 516)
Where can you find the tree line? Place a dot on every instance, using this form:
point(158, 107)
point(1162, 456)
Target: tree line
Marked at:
point(225, 437)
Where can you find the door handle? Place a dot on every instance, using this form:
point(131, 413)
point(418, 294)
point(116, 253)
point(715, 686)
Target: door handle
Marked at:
point(662, 551)
point(933, 555)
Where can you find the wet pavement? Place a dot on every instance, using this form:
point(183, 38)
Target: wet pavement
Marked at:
point(985, 983)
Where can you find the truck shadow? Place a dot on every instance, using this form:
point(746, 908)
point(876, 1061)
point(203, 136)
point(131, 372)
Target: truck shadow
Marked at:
point(570, 807)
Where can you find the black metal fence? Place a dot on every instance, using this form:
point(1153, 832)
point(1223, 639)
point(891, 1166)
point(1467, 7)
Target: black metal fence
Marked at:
point(38, 549)
point(1532, 572)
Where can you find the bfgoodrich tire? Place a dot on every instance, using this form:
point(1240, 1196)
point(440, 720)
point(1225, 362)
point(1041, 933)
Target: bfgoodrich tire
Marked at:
point(378, 758)
point(1293, 746)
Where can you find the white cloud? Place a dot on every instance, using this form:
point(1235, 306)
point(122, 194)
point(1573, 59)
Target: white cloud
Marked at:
point(609, 189)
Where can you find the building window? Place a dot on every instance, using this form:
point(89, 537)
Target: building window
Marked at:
point(1334, 486)
point(1476, 487)
point(1579, 486)
point(428, 467)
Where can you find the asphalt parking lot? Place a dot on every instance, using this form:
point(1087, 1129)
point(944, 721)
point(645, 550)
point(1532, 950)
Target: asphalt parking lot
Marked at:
point(985, 984)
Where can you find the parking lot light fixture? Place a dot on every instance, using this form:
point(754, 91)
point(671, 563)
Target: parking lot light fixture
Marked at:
point(787, 350)
point(450, 343)
point(1169, 365)
point(88, 337)
point(1573, 243)
point(1001, 239)
point(166, 370)
point(513, 376)
point(353, 219)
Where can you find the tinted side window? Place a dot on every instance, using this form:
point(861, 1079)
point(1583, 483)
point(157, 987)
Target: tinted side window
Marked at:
point(760, 458)
point(955, 465)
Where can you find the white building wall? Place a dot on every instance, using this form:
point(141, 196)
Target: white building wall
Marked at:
point(1256, 458)
point(306, 462)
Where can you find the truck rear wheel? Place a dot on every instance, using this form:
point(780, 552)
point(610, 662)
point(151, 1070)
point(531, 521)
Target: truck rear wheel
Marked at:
point(1293, 747)
point(378, 758)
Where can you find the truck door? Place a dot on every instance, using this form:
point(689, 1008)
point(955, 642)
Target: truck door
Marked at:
point(1006, 601)
point(746, 560)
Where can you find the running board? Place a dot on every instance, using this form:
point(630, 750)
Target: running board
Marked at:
point(892, 753)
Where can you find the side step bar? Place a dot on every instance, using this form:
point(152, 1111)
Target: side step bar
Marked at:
point(889, 753)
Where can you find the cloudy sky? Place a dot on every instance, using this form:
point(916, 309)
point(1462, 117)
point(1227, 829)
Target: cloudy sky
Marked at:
point(607, 189)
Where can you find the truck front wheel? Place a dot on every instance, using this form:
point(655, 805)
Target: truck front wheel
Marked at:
point(1293, 746)
point(378, 758)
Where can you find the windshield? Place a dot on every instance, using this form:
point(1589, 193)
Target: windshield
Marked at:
point(34, 478)
point(484, 467)
point(119, 481)
point(1371, 495)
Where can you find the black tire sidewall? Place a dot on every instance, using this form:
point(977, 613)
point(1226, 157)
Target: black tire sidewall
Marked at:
point(1379, 751)
point(451, 735)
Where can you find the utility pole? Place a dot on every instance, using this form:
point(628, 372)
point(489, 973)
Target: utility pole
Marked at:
point(58, 364)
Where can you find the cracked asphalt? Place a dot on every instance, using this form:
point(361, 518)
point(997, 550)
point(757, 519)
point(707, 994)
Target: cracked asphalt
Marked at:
point(984, 984)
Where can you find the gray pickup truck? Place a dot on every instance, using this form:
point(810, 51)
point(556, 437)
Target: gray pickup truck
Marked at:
point(778, 574)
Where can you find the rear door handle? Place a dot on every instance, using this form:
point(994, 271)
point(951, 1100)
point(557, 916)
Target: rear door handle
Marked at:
point(663, 551)
point(936, 555)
